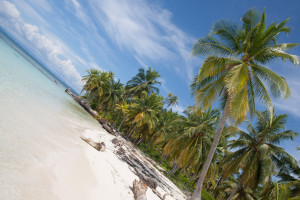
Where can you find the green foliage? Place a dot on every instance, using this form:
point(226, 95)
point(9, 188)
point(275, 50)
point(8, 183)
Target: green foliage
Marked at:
point(144, 81)
point(233, 65)
point(206, 196)
point(257, 154)
point(233, 69)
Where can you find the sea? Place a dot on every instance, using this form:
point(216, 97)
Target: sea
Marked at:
point(40, 126)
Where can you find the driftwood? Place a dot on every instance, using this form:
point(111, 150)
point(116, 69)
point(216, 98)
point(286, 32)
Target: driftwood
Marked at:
point(108, 129)
point(68, 91)
point(83, 104)
point(106, 126)
point(97, 145)
point(139, 190)
point(117, 142)
point(103, 122)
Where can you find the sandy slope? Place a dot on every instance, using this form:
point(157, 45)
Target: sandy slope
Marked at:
point(64, 167)
point(114, 177)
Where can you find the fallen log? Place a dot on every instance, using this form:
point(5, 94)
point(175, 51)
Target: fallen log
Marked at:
point(97, 145)
point(139, 190)
point(108, 129)
point(102, 121)
point(84, 105)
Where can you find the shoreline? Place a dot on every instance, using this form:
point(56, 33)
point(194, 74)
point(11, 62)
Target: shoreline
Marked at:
point(132, 164)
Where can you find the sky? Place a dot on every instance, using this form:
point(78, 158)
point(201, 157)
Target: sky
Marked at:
point(72, 36)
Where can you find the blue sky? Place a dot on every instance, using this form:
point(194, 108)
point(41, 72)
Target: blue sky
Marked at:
point(71, 36)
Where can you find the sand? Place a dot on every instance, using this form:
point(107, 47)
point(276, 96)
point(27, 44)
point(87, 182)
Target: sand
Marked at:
point(103, 175)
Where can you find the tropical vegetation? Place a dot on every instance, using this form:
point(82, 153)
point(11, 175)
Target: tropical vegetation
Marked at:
point(228, 153)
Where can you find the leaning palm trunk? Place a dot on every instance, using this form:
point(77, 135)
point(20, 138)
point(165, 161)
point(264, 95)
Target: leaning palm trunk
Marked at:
point(131, 132)
point(173, 170)
point(197, 193)
point(122, 123)
point(81, 92)
point(163, 158)
point(114, 124)
point(235, 189)
point(137, 139)
point(149, 144)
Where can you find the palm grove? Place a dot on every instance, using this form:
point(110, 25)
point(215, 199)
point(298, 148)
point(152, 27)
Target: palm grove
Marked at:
point(205, 150)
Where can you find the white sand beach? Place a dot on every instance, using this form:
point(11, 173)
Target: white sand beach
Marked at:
point(75, 170)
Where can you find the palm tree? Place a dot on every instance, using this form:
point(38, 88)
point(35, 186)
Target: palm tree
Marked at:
point(97, 83)
point(88, 79)
point(145, 112)
point(112, 95)
point(189, 149)
point(233, 70)
point(289, 178)
point(282, 191)
point(143, 81)
point(163, 128)
point(192, 145)
point(224, 190)
point(258, 155)
point(171, 100)
point(124, 109)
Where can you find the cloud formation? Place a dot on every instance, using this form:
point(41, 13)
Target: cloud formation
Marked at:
point(290, 104)
point(11, 20)
point(147, 31)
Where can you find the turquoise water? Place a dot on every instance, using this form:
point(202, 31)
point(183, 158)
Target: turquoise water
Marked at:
point(38, 121)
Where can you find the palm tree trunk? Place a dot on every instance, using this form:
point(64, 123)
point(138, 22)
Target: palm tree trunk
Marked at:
point(81, 92)
point(235, 189)
point(181, 171)
point(188, 182)
point(122, 123)
point(197, 193)
point(131, 132)
point(149, 144)
point(217, 184)
point(114, 124)
point(173, 170)
point(163, 158)
point(137, 139)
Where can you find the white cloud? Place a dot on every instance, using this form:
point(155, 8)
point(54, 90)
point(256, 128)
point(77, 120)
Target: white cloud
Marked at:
point(42, 4)
point(163, 84)
point(290, 104)
point(147, 31)
point(51, 50)
point(178, 108)
point(80, 13)
point(8, 10)
point(30, 13)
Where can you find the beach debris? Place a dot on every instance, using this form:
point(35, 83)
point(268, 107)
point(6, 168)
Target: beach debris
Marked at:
point(105, 124)
point(139, 190)
point(83, 104)
point(68, 91)
point(141, 166)
point(103, 121)
point(150, 182)
point(120, 151)
point(117, 142)
point(103, 146)
point(167, 197)
point(108, 129)
point(97, 145)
